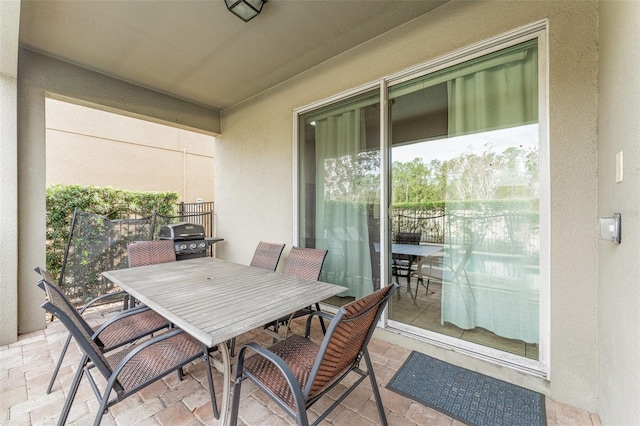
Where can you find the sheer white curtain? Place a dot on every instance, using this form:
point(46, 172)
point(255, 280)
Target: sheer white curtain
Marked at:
point(341, 217)
point(496, 93)
point(486, 243)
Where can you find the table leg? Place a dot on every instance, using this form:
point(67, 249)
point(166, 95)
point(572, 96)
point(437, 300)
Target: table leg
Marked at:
point(225, 369)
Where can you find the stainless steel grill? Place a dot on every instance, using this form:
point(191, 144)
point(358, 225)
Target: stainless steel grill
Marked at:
point(189, 239)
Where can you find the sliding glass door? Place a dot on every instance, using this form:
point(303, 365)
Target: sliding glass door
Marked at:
point(464, 152)
point(464, 200)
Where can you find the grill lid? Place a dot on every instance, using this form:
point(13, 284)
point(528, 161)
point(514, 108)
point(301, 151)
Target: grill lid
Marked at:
point(181, 231)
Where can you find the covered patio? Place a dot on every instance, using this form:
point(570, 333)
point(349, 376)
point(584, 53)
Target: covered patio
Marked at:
point(155, 63)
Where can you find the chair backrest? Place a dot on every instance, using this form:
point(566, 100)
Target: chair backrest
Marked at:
point(142, 253)
point(408, 238)
point(267, 256)
point(347, 338)
point(46, 276)
point(61, 307)
point(305, 263)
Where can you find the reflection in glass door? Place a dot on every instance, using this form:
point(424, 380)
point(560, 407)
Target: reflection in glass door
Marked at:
point(465, 181)
point(339, 191)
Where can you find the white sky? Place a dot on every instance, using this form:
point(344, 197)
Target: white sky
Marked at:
point(448, 148)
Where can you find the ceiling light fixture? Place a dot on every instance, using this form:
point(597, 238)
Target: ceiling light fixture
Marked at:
point(245, 9)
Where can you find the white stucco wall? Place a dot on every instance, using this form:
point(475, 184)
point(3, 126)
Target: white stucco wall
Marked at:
point(618, 265)
point(255, 202)
point(87, 146)
point(9, 23)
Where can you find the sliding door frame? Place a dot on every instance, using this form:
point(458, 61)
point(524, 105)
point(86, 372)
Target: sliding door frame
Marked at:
point(536, 30)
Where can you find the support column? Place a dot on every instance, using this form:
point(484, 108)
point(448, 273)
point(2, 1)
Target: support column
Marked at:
point(9, 28)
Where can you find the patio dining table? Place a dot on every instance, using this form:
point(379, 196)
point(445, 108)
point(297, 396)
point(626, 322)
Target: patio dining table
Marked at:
point(417, 250)
point(214, 300)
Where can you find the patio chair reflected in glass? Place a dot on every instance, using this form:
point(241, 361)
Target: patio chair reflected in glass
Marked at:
point(430, 268)
point(297, 372)
point(267, 256)
point(402, 264)
point(302, 263)
point(125, 327)
point(437, 268)
point(129, 369)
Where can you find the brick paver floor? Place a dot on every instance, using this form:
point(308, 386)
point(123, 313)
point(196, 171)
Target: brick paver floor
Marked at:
point(26, 366)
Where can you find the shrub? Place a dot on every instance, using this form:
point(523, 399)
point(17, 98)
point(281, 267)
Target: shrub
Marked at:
point(111, 203)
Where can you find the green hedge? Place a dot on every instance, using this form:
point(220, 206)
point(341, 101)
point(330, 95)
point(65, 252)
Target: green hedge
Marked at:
point(108, 202)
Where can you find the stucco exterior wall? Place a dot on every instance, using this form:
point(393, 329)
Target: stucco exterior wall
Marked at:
point(9, 23)
point(618, 266)
point(259, 134)
point(91, 147)
point(39, 77)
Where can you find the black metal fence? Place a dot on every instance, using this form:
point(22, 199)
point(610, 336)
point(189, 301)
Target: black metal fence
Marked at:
point(200, 213)
point(498, 232)
point(98, 244)
point(430, 225)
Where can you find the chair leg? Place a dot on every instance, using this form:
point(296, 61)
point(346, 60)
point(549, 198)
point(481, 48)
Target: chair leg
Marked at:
point(421, 283)
point(324, 328)
point(59, 364)
point(233, 417)
point(214, 404)
point(374, 388)
point(72, 391)
point(103, 407)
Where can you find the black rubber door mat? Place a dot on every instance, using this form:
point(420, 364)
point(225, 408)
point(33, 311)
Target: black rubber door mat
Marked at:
point(465, 395)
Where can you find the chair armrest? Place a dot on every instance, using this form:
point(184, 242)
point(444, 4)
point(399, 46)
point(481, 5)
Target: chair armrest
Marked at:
point(155, 366)
point(98, 298)
point(307, 330)
point(124, 328)
point(119, 317)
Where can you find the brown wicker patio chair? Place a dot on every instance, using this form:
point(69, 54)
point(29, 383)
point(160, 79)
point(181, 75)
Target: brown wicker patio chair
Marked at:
point(297, 372)
point(267, 255)
point(142, 253)
point(302, 263)
point(122, 329)
point(305, 263)
point(128, 370)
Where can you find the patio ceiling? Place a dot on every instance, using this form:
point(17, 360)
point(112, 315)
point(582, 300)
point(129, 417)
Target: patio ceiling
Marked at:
point(200, 52)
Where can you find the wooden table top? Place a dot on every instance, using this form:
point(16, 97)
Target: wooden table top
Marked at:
point(214, 300)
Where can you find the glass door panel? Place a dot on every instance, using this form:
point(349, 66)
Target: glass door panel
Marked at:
point(339, 172)
point(464, 153)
